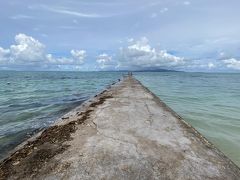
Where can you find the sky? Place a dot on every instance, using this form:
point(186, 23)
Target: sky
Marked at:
point(93, 35)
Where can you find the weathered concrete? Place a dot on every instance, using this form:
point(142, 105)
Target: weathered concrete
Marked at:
point(124, 133)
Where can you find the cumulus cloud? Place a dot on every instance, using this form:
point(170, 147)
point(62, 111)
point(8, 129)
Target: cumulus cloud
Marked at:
point(232, 63)
point(26, 49)
point(29, 51)
point(105, 61)
point(79, 55)
point(139, 55)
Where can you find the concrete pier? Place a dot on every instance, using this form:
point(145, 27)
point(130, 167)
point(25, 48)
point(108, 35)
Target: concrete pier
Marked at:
point(126, 132)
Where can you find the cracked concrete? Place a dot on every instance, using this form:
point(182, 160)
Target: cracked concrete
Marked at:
point(134, 135)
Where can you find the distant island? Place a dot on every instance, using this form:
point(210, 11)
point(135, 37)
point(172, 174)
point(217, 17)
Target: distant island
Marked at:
point(143, 70)
point(156, 70)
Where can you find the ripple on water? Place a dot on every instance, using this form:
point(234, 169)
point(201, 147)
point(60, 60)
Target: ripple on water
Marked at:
point(34, 100)
point(210, 102)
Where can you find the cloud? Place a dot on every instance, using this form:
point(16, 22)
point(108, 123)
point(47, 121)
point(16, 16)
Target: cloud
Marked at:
point(79, 56)
point(211, 65)
point(4, 53)
point(21, 16)
point(232, 63)
point(186, 3)
point(28, 51)
point(74, 13)
point(225, 59)
point(163, 10)
point(64, 11)
point(105, 61)
point(140, 55)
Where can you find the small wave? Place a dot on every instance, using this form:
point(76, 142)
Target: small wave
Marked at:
point(44, 91)
point(30, 105)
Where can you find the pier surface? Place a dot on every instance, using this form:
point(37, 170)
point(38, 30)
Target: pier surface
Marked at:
point(125, 132)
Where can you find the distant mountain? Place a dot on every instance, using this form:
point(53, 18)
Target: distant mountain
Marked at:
point(156, 70)
point(143, 70)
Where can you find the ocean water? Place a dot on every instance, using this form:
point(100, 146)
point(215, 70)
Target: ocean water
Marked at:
point(30, 101)
point(209, 102)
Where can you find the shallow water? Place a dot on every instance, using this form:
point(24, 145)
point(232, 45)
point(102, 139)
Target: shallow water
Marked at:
point(30, 101)
point(209, 102)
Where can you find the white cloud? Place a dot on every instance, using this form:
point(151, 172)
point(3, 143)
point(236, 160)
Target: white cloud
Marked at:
point(74, 13)
point(64, 11)
point(105, 61)
point(130, 40)
point(222, 54)
point(139, 55)
point(29, 51)
point(21, 16)
point(232, 63)
point(79, 56)
point(211, 65)
point(164, 10)
point(154, 15)
point(4, 53)
point(186, 3)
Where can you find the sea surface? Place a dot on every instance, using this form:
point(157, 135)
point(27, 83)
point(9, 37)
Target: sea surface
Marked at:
point(210, 102)
point(31, 101)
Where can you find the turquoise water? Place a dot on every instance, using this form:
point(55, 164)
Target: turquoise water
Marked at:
point(30, 101)
point(209, 102)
